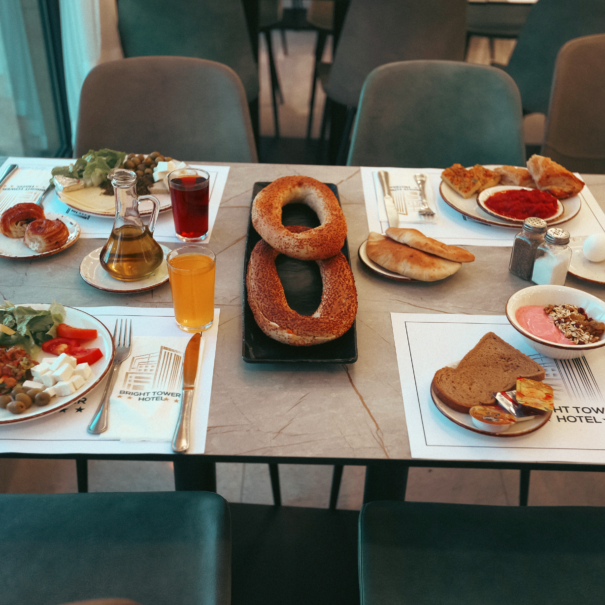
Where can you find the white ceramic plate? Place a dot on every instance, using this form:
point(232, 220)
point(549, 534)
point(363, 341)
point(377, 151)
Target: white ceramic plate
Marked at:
point(93, 273)
point(470, 209)
point(15, 248)
point(466, 421)
point(583, 268)
point(104, 341)
point(487, 193)
point(370, 264)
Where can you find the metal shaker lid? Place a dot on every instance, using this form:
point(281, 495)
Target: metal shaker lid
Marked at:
point(557, 236)
point(533, 224)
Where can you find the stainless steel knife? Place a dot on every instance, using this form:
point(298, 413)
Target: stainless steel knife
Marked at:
point(7, 172)
point(389, 204)
point(180, 441)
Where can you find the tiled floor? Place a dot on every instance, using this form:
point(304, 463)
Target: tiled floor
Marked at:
point(305, 485)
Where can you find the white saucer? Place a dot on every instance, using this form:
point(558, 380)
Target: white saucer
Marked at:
point(93, 273)
point(370, 264)
point(583, 268)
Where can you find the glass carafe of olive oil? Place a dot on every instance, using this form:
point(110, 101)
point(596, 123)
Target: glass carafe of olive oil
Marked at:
point(130, 253)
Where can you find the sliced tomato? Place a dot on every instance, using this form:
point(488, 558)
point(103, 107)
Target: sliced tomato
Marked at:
point(56, 346)
point(88, 356)
point(65, 331)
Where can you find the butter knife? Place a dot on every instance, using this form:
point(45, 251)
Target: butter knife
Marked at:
point(389, 204)
point(180, 441)
point(7, 172)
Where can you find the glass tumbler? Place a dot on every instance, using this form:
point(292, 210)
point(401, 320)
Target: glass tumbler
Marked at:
point(189, 194)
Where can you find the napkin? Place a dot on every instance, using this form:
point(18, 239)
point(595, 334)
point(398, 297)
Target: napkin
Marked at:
point(24, 185)
point(402, 180)
point(146, 397)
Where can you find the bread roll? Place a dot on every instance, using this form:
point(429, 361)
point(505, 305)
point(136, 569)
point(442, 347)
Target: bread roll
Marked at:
point(407, 261)
point(553, 178)
point(511, 175)
point(45, 235)
point(15, 219)
point(419, 241)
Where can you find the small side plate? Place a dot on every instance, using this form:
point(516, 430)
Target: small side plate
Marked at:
point(93, 273)
point(582, 268)
point(370, 264)
point(487, 193)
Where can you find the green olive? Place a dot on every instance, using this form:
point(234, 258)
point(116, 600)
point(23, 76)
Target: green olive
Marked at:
point(154, 154)
point(129, 164)
point(160, 158)
point(130, 156)
point(26, 399)
point(18, 389)
point(148, 161)
point(140, 173)
point(42, 399)
point(16, 407)
point(33, 392)
point(5, 400)
point(167, 159)
point(148, 170)
point(141, 157)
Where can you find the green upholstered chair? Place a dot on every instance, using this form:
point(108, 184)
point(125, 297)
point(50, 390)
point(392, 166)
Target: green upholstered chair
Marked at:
point(575, 126)
point(550, 24)
point(154, 548)
point(186, 108)
point(413, 553)
point(422, 114)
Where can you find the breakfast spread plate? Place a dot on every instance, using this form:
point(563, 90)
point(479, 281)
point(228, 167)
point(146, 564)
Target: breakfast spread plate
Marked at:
point(470, 209)
point(581, 267)
point(15, 248)
point(483, 199)
point(104, 342)
point(466, 421)
point(370, 264)
point(93, 274)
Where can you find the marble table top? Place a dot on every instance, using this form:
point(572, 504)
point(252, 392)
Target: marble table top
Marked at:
point(352, 412)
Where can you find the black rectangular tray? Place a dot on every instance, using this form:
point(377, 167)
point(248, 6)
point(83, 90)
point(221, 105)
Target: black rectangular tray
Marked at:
point(302, 285)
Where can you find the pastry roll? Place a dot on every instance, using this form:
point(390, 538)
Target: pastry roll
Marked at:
point(44, 235)
point(14, 221)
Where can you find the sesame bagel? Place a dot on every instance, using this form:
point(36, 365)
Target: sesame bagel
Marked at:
point(336, 311)
point(319, 243)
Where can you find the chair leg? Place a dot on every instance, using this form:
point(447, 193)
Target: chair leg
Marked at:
point(492, 50)
point(524, 487)
point(82, 475)
point(322, 36)
point(274, 82)
point(343, 148)
point(325, 120)
point(191, 474)
point(275, 487)
point(253, 106)
point(336, 480)
point(284, 43)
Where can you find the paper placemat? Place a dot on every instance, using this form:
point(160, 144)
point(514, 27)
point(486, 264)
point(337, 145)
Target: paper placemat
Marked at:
point(65, 431)
point(100, 227)
point(454, 229)
point(574, 433)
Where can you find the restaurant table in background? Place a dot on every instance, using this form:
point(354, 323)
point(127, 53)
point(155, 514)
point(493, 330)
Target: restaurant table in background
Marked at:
point(302, 413)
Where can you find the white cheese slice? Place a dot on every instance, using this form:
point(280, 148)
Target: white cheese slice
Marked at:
point(48, 380)
point(65, 183)
point(65, 372)
point(51, 391)
point(39, 370)
point(83, 369)
point(64, 388)
point(31, 384)
point(77, 381)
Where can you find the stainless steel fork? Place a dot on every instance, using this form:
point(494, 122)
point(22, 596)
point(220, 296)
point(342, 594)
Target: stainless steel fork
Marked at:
point(425, 209)
point(122, 338)
point(399, 199)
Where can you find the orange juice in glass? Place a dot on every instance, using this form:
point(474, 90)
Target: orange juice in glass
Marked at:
point(191, 272)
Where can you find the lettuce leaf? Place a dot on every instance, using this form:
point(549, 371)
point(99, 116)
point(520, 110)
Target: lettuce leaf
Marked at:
point(93, 167)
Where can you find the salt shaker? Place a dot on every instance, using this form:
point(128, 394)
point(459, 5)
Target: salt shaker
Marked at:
point(525, 247)
point(552, 258)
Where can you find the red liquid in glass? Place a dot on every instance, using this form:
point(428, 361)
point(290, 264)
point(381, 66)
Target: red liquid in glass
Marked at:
point(189, 195)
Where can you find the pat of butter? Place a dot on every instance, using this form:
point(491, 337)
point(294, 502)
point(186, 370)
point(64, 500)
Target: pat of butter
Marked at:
point(163, 169)
point(6, 330)
point(65, 183)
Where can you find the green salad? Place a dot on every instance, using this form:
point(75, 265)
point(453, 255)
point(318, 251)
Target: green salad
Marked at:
point(93, 167)
point(31, 327)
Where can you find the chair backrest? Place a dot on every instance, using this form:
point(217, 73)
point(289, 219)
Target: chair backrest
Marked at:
point(550, 24)
point(575, 126)
point(423, 114)
point(205, 29)
point(189, 109)
point(383, 31)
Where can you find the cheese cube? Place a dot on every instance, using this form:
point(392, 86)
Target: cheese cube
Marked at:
point(51, 391)
point(41, 368)
point(77, 380)
point(48, 361)
point(48, 379)
point(64, 388)
point(65, 372)
point(83, 369)
point(63, 358)
point(30, 384)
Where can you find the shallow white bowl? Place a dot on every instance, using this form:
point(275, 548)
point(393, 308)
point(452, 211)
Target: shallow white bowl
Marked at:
point(555, 295)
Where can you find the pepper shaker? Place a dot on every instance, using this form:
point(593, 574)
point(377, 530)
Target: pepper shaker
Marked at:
point(553, 257)
point(525, 247)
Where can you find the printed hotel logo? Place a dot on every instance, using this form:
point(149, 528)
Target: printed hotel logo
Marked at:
point(154, 376)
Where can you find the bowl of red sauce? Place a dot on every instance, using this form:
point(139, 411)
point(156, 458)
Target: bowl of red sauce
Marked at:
point(515, 204)
point(525, 312)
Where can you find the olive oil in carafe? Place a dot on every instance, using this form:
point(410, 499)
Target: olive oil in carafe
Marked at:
point(131, 253)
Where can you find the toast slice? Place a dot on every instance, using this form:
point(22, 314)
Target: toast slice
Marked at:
point(462, 181)
point(511, 175)
point(491, 366)
point(553, 178)
point(487, 178)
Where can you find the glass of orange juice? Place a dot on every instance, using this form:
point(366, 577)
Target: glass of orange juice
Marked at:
point(191, 273)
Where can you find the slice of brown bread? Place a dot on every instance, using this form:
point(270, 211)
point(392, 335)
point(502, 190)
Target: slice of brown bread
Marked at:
point(491, 366)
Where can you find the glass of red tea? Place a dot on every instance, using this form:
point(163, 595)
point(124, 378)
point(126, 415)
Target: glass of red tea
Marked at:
point(189, 188)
